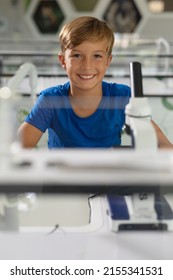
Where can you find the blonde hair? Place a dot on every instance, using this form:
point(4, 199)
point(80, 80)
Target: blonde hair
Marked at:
point(85, 28)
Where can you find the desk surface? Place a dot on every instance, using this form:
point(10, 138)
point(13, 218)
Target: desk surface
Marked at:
point(93, 241)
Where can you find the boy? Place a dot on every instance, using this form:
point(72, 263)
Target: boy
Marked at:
point(86, 111)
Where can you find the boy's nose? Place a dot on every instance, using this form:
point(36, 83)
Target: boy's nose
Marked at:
point(87, 63)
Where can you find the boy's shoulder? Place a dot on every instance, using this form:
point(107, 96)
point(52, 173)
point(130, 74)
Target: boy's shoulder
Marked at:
point(58, 90)
point(114, 89)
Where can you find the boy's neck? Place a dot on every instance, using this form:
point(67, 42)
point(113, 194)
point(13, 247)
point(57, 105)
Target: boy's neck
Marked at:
point(85, 104)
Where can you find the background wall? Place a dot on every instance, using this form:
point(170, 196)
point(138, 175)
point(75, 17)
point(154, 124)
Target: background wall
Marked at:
point(41, 18)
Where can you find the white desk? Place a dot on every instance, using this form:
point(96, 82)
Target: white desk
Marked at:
point(93, 241)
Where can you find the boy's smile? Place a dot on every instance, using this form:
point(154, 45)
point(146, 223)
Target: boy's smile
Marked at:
point(86, 77)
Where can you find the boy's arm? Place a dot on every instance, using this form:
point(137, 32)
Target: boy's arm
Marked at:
point(163, 141)
point(29, 135)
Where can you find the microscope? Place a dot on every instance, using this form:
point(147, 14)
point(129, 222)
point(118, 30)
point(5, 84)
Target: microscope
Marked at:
point(139, 210)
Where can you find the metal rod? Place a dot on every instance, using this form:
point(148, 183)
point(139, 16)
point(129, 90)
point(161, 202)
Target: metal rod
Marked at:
point(136, 79)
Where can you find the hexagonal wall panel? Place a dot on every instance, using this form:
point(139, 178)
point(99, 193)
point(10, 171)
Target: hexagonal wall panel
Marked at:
point(122, 16)
point(68, 9)
point(48, 16)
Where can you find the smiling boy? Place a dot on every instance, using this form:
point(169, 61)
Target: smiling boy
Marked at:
point(86, 111)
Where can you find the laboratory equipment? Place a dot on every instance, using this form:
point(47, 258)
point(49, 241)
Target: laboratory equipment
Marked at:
point(9, 219)
point(26, 69)
point(8, 99)
point(139, 211)
point(138, 113)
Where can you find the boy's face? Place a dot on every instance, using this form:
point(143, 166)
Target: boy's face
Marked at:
point(86, 64)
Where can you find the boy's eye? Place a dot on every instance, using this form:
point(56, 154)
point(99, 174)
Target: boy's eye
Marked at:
point(77, 55)
point(97, 56)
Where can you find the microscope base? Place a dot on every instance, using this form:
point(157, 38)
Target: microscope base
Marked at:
point(124, 215)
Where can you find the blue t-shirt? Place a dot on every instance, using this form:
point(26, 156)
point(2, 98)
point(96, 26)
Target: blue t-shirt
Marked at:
point(102, 129)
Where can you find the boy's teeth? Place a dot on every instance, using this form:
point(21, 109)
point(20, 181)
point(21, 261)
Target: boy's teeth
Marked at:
point(86, 77)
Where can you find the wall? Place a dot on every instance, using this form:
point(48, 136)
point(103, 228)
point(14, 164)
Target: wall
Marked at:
point(18, 17)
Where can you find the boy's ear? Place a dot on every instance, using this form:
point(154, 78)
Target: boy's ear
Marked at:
point(109, 60)
point(61, 59)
